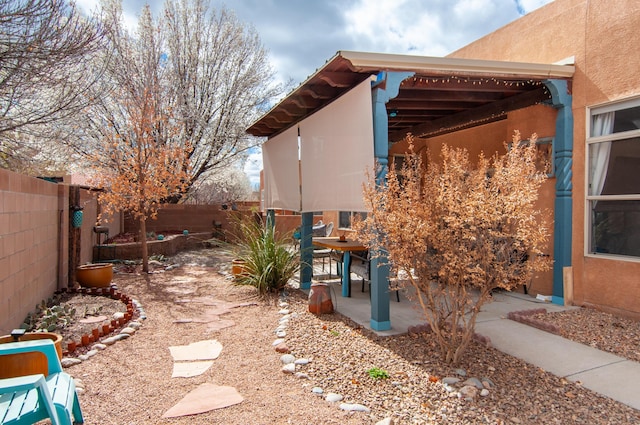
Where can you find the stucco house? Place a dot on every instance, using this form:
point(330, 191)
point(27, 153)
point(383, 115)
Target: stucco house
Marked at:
point(567, 71)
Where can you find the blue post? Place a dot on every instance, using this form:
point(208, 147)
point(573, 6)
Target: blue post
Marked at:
point(563, 148)
point(306, 251)
point(385, 88)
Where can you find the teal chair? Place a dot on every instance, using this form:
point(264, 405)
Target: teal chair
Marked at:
point(28, 399)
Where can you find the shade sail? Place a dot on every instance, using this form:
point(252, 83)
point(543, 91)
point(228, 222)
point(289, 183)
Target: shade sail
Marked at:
point(336, 145)
point(281, 171)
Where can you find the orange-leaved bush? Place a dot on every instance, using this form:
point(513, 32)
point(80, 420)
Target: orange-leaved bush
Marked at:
point(457, 229)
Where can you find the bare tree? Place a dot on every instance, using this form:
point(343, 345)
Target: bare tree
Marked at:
point(44, 50)
point(224, 186)
point(211, 72)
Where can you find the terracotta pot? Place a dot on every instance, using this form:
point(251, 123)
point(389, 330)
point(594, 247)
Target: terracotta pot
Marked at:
point(71, 346)
point(96, 334)
point(320, 299)
point(85, 340)
point(106, 329)
point(30, 336)
point(238, 268)
point(96, 275)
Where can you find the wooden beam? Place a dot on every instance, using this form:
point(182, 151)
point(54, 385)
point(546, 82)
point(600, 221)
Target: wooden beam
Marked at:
point(471, 117)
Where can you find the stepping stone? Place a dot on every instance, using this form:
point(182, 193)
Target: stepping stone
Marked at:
point(203, 399)
point(189, 369)
point(203, 350)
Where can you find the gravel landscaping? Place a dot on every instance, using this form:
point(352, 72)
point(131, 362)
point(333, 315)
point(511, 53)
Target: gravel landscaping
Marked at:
point(130, 382)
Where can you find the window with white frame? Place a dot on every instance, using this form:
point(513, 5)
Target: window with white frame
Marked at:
point(613, 186)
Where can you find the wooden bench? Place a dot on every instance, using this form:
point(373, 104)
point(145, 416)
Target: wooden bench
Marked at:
point(28, 399)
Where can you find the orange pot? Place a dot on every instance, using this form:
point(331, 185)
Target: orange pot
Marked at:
point(96, 275)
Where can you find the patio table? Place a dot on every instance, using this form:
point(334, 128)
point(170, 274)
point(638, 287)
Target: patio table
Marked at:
point(346, 247)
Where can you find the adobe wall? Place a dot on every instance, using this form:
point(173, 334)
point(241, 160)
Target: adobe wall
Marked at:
point(602, 35)
point(30, 239)
point(194, 218)
point(490, 139)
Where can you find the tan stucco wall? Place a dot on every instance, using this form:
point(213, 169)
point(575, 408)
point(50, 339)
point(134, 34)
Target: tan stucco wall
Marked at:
point(602, 35)
point(491, 138)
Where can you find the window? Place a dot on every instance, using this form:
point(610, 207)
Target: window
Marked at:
point(346, 218)
point(613, 186)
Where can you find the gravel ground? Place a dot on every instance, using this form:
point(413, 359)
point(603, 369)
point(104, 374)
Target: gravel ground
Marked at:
point(130, 382)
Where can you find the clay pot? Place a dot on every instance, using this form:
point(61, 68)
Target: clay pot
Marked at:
point(238, 268)
point(71, 346)
point(30, 336)
point(96, 334)
point(96, 275)
point(85, 340)
point(106, 329)
point(320, 299)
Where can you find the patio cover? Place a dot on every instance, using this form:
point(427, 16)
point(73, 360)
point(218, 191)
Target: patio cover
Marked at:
point(336, 150)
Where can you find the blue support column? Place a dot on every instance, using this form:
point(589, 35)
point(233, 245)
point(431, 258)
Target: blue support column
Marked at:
point(385, 88)
point(563, 149)
point(306, 251)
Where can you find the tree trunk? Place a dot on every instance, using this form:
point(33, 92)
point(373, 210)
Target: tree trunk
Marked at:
point(143, 244)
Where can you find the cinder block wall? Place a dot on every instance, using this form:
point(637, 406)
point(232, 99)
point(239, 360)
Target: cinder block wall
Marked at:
point(31, 215)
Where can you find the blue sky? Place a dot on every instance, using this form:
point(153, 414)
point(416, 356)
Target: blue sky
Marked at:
point(301, 35)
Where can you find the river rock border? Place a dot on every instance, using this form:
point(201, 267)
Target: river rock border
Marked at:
point(121, 327)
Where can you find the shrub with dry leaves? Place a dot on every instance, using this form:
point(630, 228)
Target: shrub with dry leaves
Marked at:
point(458, 229)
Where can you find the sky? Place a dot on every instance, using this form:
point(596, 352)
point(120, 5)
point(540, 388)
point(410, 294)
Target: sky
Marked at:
point(301, 35)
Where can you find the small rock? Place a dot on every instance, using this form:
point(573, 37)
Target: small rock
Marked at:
point(70, 361)
point(118, 315)
point(287, 358)
point(277, 342)
point(281, 334)
point(143, 316)
point(284, 311)
point(333, 397)
point(289, 368)
point(79, 390)
point(83, 357)
point(317, 390)
point(491, 369)
point(484, 392)
point(468, 392)
point(79, 383)
point(487, 383)
point(110, 340)
point(461, 372)
point(301, 375)
point(128, 330)
point(282, 348)
point(91, 353)
point(283, 304)
point(135, 325)
point(302, 361)
point(475, 382)
point(284, 319)
point(121, 336)
point(450, 380)
point(99, 347)
point(385, 421)
point(354, 407)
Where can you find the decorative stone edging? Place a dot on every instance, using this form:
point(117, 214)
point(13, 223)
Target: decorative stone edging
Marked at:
point(102, 337)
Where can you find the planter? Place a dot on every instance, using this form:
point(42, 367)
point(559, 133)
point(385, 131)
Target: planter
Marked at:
point(238, 268)
point(320, 299)
point(28, 363)
point(30, 336)
point(96, 275)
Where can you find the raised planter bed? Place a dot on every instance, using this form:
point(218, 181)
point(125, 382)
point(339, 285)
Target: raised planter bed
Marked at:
point(169, 246)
